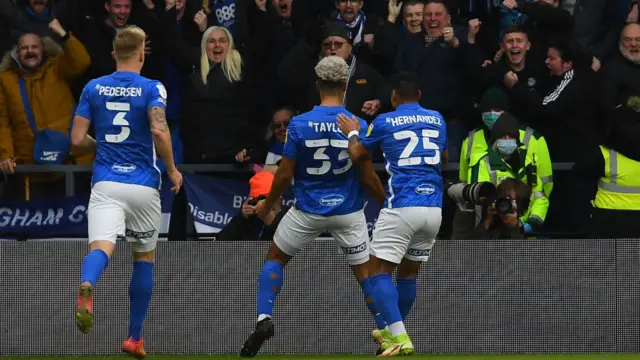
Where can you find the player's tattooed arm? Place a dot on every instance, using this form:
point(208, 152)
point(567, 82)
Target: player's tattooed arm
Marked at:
point(357, 152)
point(158, 119)
point(161, 136)
point(371, 182)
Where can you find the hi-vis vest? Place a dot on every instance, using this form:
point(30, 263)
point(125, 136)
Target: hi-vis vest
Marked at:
point(619, 189)
point(476, 145)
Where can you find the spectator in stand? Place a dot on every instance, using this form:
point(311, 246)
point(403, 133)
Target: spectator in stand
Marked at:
point(43, 71)
point(566, 117)
point(360, 29)
point(34, 16)
point(597, 25)
point(518, 58)
point(620, 77)
point(367, 91)
point(434, 56)
point(548, 21)
point(616, 164)
point(97, 32)
point(270, 152)
point(216, 95)
point(391, 36)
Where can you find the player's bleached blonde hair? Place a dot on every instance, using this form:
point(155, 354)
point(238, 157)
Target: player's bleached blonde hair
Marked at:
point(333, 69)
point(232, 63)
point(128, 43)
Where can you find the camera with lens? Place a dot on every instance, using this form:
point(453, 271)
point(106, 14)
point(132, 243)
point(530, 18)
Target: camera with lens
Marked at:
point(505, 205)
point(481, 193)
point(255, 201)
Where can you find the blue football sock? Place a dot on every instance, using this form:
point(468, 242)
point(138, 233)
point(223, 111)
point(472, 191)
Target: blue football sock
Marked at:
point(93, 265)
point(367, 291)
point(269, 285)
point(140, 289)
point(386, 297)
point(406, 295)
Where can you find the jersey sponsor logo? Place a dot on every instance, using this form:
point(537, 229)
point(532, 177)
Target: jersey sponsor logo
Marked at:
point(139, 234)
point(355, 249)
point(123, 168)
point(413, 119)
point(425, 189)
point(118, 91)
point(417, 252)
point(332, 200)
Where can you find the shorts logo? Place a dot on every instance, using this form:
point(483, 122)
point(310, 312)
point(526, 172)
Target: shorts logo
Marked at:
point(416, 252)
point(355, 249)
point(332, 200)
point(123, 168)
point(139, 234)
point(425, 189)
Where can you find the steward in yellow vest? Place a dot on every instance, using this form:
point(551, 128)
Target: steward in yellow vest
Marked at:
point(508, 158)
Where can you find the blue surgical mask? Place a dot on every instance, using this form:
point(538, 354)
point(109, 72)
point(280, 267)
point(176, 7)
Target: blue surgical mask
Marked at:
point(507, 146)
point(489, 118)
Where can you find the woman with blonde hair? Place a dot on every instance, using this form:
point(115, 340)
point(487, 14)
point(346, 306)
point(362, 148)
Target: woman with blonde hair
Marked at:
point(216, 97)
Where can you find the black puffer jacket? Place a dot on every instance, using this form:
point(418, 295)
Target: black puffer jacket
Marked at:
point(215, 125)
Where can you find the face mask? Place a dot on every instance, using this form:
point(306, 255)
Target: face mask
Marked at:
point(489, 118)
point(507, 146)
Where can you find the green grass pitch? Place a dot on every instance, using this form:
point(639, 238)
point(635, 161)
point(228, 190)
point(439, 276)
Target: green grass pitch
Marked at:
point(346, 357)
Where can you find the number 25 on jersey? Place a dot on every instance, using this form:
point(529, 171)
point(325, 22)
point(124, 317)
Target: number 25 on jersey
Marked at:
point(405, 157)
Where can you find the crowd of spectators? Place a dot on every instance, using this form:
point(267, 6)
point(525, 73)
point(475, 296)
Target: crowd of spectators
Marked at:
point(236, 71)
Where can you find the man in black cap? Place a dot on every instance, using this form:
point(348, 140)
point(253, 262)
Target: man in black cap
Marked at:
point(367, 91)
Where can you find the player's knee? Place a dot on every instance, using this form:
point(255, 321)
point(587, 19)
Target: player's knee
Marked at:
point(409, 268)
point(147, 256)
point(276, 254)
point(360, 271)
point(380, 266)
point(105, 246)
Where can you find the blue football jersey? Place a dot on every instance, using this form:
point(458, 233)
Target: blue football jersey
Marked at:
point(117, 106)
point(325, 181)
point(412, 141)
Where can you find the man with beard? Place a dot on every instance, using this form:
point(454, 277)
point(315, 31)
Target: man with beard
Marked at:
point(620, 77)
point(36, 106)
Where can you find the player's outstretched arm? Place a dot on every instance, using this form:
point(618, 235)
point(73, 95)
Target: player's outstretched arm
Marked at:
point(351, 128)
point(79, 134)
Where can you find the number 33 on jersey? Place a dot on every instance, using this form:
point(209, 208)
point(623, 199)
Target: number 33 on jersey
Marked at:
point(412, 140)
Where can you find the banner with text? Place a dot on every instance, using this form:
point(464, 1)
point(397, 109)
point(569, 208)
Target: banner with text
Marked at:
point(212, 203)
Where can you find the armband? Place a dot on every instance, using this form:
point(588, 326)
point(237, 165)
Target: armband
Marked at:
point(353, 133)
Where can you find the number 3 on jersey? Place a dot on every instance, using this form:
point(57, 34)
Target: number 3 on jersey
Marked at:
point(319, 155)
point(119, 120)
point(405, 157)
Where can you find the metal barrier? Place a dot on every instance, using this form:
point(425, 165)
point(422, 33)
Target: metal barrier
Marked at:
point(69, 170)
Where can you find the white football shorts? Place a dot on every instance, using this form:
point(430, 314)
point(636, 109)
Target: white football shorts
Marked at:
point(132, 211)
point(408, 232)
point(298, 228)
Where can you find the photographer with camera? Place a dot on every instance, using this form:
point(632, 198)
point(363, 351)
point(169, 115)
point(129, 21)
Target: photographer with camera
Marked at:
point(505, 158)
point(500, 219)
point(246, 225)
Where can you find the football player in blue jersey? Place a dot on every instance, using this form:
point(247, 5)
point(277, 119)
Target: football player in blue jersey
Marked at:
point(128, 115)
point(328, 195)
point(414, 143)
